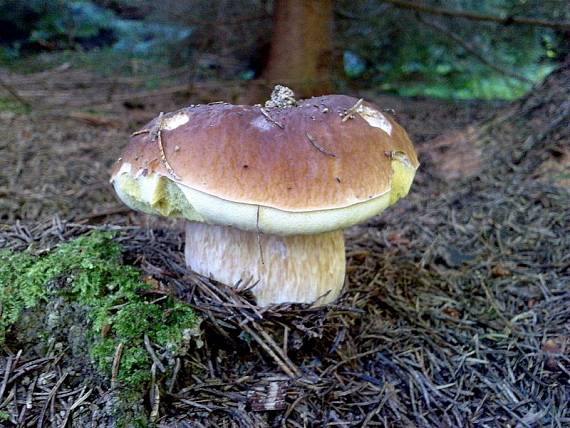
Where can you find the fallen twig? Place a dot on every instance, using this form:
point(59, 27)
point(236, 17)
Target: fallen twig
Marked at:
point(95, 120)
point(270, 119)
point(15, 94)
point(352, 110)
point(319, 148)
point(84, 396)
point(6, 375)
point(154, 395)
point(291, 372)
point(116, 364)
point(472, 50)
point(152, 354)
point(49, 399)
point(155, 134)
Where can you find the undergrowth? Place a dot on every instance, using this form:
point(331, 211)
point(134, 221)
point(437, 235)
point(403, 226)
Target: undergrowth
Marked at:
point(88, 270)
point(11, 105)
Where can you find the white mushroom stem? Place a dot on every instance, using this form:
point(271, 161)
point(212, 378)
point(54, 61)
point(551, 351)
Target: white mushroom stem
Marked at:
point(298, 268)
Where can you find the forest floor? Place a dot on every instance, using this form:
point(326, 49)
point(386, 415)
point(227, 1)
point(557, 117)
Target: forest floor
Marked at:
point(456, 307)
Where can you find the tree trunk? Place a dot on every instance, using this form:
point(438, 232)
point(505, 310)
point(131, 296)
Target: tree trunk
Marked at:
point(301, 47)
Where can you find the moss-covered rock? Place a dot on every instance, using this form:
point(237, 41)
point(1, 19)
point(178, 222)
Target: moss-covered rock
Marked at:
point(81, 293)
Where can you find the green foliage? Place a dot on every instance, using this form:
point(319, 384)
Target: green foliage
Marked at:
point(10, 104)
point(407, 57)
point(104, 61)
point(488, 86)
point(81, 25)
point(88, 270)
point(21, 286)
point(382, 46)
point(55, 24)
point(70, 21)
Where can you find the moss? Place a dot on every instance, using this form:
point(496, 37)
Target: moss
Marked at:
point(12, 105)
point(88, 271)
point(14, 299)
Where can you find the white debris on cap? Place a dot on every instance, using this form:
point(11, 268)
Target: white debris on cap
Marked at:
point(172, 122)
point(375, 118)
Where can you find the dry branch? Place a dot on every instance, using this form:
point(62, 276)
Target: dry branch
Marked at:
point(94, 119)
point(508, 20)
point(313, 142)
point(270, 119)
point(14, 93)
point(474, 51)
point(352, 111)
point(116, 364)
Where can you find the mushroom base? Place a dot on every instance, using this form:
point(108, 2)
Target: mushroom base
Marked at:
point(297, 269)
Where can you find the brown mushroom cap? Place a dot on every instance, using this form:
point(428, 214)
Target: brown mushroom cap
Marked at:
point(302, 159)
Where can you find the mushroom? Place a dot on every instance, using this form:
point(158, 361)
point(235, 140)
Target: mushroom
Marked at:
point(268, 190)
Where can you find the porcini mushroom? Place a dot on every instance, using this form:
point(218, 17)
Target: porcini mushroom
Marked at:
point(268, 190)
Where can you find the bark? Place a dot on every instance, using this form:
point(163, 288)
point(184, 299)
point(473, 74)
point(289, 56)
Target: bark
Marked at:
point(301, 47)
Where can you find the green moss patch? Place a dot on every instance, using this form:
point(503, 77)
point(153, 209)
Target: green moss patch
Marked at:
point(12, 105)
point(88, 271)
